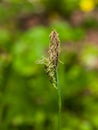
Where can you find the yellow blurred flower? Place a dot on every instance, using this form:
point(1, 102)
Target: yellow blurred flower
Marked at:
point(87, 5)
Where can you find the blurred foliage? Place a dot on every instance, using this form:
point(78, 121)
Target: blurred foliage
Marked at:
point(27, 100)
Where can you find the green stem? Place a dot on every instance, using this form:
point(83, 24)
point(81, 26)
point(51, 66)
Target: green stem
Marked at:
point(59, 103)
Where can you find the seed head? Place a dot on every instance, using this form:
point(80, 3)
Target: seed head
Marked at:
point(54, 48)
point(53, 53)
point(52, 61)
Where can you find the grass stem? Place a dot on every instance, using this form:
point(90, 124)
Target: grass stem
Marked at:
point(59, 103)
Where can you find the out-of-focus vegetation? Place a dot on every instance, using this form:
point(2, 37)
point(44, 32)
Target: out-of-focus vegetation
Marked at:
point(27, 99)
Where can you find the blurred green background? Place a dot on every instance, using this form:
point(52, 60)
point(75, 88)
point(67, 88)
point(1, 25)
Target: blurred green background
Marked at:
point(27, 99)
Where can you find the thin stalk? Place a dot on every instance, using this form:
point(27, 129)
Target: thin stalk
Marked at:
point(59, 103)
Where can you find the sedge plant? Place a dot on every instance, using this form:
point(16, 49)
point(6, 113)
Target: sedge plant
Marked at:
point(51, 66)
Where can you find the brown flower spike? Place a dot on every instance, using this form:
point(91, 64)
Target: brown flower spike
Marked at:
point(54, 48)
point(52, 61)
